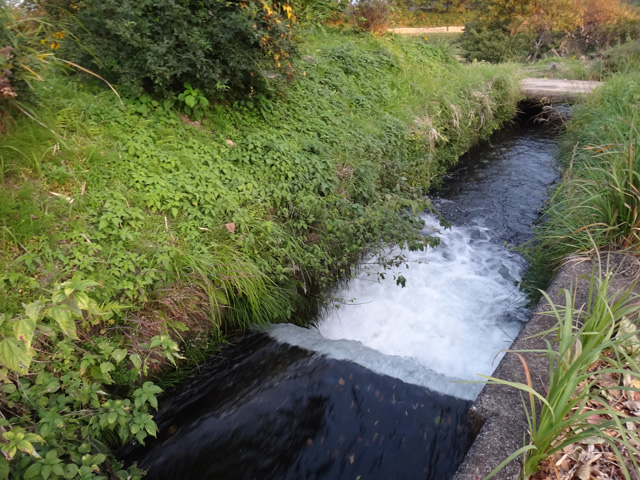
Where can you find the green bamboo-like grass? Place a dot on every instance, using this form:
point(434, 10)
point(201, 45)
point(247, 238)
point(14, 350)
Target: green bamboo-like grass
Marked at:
point(581, 338)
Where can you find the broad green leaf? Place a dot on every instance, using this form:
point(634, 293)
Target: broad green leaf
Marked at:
point(119, 354)
point(84, 284)
point(62, 315)
point(190, 100)
point(46, 472)
point(72, 470)
point(136, 360)
point(13, 353)
point(33, 471)
point(33, 310)
point(107, 367)
point(82, 300)
point(3, 317)
point(112, 417)
point(23, 330)
point(58, 296)
point(28, 448)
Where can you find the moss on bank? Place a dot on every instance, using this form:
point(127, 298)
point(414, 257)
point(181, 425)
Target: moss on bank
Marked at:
point(188, 229)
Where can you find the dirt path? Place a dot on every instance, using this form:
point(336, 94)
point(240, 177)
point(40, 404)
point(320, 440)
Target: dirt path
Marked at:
point(424, 30)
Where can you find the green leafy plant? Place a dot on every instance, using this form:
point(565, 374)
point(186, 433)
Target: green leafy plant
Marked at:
point(566, 413)
point(194, 103)
point(598, 200)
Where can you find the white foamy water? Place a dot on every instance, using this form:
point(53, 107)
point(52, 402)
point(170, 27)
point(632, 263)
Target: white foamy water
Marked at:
point(460, 308)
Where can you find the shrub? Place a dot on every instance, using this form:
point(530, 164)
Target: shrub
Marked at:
point(529, 29)
point(317, 11)
point(492, 44)
point(606, 22)
point(371, 15)
point(157, 46)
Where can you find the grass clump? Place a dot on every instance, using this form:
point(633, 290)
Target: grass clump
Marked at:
point(591, 357)
point(597, 203)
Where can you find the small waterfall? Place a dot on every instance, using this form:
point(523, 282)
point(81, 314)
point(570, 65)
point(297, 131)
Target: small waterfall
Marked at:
point(461, 306)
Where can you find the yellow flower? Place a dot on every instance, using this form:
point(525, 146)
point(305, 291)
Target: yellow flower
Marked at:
point(54, 45)
point(289, 10)
point(59, 35)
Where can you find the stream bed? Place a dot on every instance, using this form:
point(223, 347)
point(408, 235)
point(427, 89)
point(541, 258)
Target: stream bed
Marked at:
point(374, 391)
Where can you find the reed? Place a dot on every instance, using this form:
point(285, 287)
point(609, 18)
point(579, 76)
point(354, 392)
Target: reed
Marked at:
point(574, 407)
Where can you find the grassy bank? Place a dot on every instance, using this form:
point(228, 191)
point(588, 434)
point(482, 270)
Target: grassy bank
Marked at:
point(131, 235)
point(597, 204)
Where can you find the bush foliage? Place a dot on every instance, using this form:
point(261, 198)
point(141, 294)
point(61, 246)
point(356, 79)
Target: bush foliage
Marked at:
point(371, 15)
point(157, 46)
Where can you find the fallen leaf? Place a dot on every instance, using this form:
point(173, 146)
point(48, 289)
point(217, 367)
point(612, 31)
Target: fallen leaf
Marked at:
point(231, 227)
point(584, 472)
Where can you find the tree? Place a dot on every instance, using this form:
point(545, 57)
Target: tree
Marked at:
point(545, 24)
point(159, 45)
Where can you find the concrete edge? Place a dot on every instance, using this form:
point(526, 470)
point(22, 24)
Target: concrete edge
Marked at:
point(498, 423)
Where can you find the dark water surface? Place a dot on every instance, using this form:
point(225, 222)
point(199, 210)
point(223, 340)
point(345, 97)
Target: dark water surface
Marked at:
point(502, 185)
point(268, 410)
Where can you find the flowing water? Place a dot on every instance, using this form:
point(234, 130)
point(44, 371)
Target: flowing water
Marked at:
point(373, 392)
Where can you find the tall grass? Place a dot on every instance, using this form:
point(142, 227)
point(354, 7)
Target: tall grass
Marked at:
point(566, 413)
point(599, 199)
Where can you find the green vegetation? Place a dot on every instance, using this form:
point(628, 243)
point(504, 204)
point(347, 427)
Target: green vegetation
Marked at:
point(127, 41)
point(132, 235)
point(597, 204)
point(434, 13)
point(520, 29)
point(591, 346)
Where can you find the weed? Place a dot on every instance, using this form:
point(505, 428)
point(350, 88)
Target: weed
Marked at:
point(566, 413)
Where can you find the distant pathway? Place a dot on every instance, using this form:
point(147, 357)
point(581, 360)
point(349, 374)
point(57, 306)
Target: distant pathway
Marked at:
point(423, 30)
point(552, 90)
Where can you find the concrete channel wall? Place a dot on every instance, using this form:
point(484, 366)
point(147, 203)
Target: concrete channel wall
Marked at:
point(498, 420)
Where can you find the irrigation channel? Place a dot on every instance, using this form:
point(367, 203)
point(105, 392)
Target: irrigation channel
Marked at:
point(374, 391)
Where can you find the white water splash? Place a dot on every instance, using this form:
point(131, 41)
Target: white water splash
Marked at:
point(460, 308)
point(407, 369)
